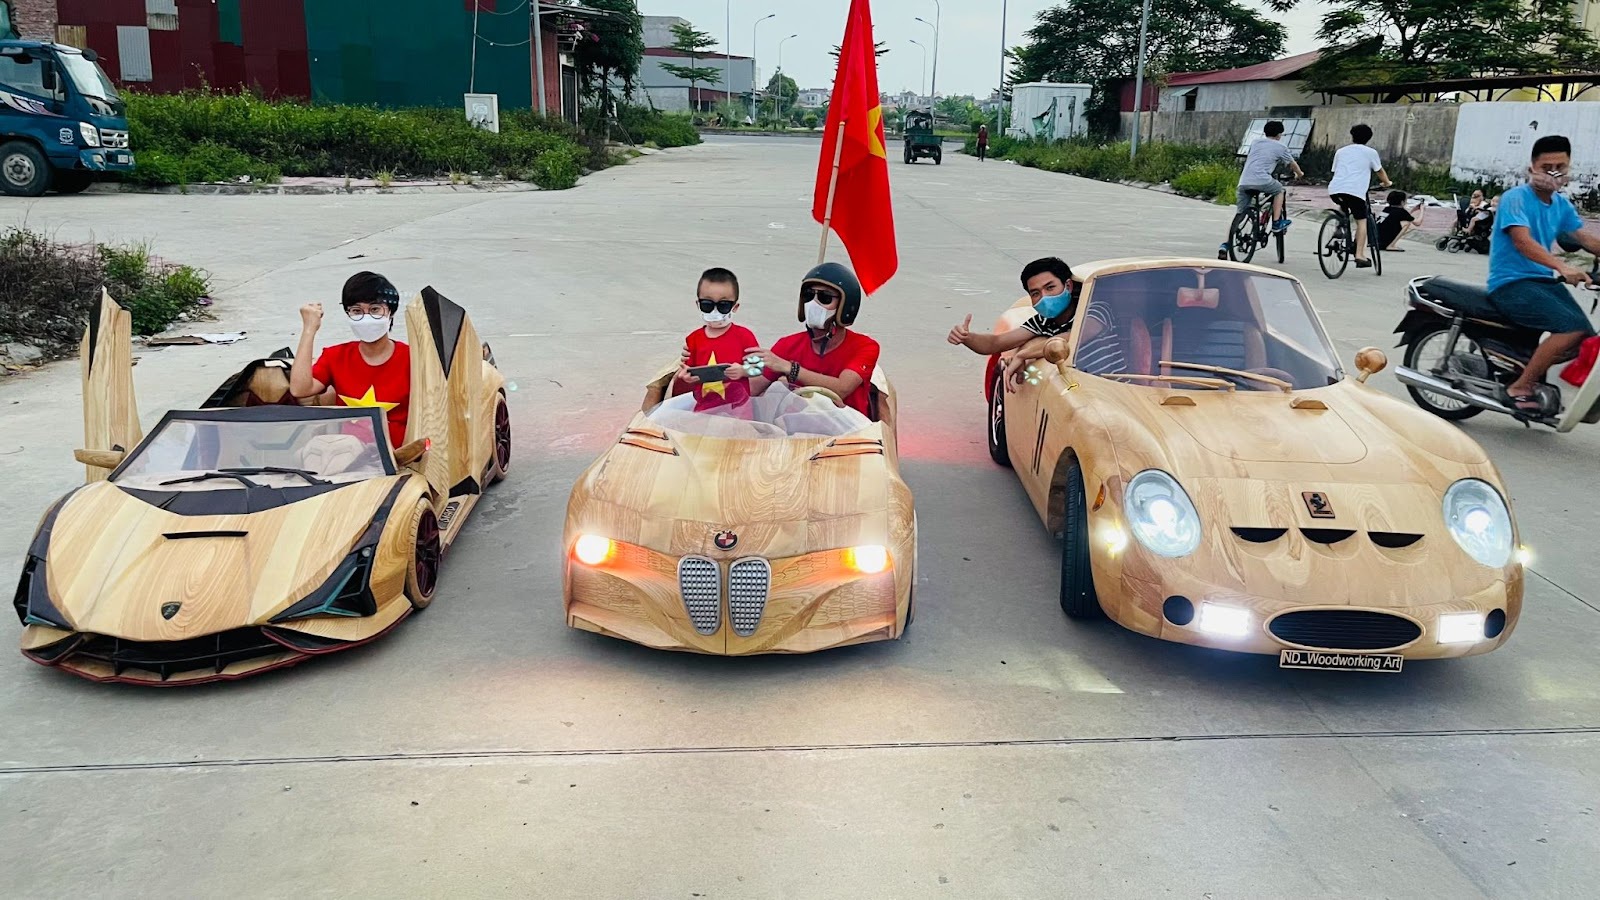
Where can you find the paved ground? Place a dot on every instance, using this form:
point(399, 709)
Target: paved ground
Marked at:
point(485, 750)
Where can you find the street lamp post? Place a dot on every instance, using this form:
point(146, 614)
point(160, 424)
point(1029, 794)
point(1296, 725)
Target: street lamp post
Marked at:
point(935, 28)
point(780, 72)
point(1000, 122)
point(754, 29)
point(938, 13)
point(1138, 80)
point(923, 84)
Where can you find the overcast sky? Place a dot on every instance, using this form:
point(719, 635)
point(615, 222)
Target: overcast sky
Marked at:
point(969, 55)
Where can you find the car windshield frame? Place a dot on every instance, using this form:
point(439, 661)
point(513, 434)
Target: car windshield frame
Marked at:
point(88, 77)
point(276, 413)
point(1321, 353)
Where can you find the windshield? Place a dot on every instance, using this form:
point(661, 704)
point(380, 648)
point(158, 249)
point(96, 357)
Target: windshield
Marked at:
point(777, 414)
point(339, 450)
point(88, 77)
point(1205, 323)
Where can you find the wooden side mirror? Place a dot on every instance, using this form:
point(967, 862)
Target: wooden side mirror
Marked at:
point(1370, 361)
point(100, 459)
point(410, 453)
point(1055, 350)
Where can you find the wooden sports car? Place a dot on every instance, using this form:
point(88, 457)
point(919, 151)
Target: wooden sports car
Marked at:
point(782, 526)
point(255, 533)
point(1218, 480)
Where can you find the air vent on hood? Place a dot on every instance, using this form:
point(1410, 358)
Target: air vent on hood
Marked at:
point(1393, 540)
point(1260, 535)
point(1326, 535)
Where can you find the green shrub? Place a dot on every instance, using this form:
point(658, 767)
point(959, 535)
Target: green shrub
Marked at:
point(155, 294)
point(645, 126)
point(1204, 171)
point(1208, 181)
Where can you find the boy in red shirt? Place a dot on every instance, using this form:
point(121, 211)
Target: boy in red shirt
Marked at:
point(827, 354)
point(719, 343)
point(372, 370)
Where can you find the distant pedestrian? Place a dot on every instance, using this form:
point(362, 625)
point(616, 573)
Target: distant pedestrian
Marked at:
point(983, 142)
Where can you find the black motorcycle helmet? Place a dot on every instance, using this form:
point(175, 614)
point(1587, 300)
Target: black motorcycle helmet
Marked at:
point(840, 278)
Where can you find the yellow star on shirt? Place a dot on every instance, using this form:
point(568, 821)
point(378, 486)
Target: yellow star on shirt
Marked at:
point(367, 399)
point(715, 387)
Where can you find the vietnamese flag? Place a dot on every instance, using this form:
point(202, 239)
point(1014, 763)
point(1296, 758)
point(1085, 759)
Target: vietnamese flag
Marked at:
point(863, 216)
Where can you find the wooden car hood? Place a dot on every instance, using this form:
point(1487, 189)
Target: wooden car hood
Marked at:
point(114, 560)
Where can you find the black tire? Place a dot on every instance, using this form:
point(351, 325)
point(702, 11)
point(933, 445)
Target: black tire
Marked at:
point(999, 450)
point(1442, 244)
point(909, 156)
point(1424, 398)
point(502, 441)
point(1242, 238)
point(938, 157)
point(1078, 597)
point(1377, 259)
point(422, 571)
point(1333, 230)
point(24, 172)
point(1278, 239)
point(73, 182)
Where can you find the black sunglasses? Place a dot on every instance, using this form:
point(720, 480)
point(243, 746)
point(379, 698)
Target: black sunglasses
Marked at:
point(821, 295)
point(721, 306)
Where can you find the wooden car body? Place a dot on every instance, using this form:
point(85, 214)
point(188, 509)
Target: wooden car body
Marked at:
point(730, 546)
point(162, 571)
point(1323, 500)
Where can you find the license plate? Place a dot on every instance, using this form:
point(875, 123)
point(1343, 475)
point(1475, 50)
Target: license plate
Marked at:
point(1340, 662)
point(122, 159)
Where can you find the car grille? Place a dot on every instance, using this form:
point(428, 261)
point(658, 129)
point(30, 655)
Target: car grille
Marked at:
point(113, 140)
point(748, 583)
point(700, 583)
point(166, 658)
point(1344, 629)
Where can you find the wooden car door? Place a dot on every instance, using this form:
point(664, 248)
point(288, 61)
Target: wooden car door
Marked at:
point(110, 413)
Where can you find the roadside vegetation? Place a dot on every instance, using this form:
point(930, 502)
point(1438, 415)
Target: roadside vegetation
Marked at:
point(47, 289)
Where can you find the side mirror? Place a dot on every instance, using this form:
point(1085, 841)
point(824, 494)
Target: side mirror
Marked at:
point(412, 452)
point(90, 55)
point(100, 459)
point(1055, 350)
point(1370, 361)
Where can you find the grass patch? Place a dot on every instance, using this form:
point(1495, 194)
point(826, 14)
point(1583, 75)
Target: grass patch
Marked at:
point(1210, 173)
point(47, 289)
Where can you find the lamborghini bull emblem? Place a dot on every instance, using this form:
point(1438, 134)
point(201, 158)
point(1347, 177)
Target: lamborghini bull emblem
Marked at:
point(168, 610)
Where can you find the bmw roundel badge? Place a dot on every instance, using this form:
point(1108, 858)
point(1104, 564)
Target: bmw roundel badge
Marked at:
point(726, 540)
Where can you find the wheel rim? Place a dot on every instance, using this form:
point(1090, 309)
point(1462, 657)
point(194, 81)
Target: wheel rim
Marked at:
point(1243, 239)
point(427, 553)
point(997, 412)
point(1331, 246)
point(20, 170)
point(1428, 357)
point(502, 436)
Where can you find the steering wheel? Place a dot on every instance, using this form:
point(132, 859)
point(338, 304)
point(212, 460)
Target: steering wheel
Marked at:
point(809, 392)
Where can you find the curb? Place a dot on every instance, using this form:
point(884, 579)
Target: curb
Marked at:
point(231, 190)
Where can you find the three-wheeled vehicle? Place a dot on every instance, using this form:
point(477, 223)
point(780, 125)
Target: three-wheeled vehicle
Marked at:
point(920, 140)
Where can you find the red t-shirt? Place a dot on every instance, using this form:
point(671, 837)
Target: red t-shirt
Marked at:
point(726, 349)
point(387, 387)
point(858, 354)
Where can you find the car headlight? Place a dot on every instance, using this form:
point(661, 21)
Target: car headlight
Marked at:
point(1161, 515)
point(592, 549)
point(869, 559)
point(1478, 519)
point(91, 134)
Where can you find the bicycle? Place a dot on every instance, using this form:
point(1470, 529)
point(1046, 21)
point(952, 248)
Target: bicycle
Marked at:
point(1250, 229)
point(1340, 243)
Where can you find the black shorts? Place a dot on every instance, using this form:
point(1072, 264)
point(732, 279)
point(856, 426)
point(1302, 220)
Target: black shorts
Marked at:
point(1350, 203)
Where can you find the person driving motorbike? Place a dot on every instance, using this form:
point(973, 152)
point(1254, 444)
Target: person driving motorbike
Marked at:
point(1530, 219)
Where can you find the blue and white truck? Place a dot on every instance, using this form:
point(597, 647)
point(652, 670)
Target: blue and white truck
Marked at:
point(62, 121)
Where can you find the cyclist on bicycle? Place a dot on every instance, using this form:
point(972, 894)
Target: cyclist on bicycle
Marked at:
point(1353, 166)
point(1259, 177)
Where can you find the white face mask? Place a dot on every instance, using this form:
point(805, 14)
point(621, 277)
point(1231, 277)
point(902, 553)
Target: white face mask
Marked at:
point(717, 319)
point(817, 315)
point(369, 328)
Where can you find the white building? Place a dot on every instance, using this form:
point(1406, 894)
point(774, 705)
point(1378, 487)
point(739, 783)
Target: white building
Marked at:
point(1274, 86)
point(658, 30)
point(814, 97)
point(673, 94)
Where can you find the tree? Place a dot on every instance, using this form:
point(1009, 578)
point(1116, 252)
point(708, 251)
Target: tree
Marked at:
point(1393, 41)
point(781, 93)
point(958, 110)
point(615, 48)
point(694, 44)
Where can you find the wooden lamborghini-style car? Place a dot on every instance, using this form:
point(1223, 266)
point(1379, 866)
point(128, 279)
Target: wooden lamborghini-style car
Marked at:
point(1219, 480)
point(255, 532)
point(781, 526)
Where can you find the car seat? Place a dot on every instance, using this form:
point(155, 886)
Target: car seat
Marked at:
point(1208, 330)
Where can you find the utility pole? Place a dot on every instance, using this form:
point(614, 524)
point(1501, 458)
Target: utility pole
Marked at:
point(1001, 123)
point(781, 82)
point(938, 12)
point(1138, 81)
point(472, 78)
point(536, 26)
point(727, 51)
point(754, 30)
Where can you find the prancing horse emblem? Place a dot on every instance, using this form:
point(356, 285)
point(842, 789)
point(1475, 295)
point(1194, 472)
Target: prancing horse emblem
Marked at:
point(726, 540)
point(1317, 503)
point(168, 610)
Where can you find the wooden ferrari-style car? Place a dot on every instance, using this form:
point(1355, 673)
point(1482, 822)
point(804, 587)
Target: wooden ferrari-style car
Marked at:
point(1219, 480)
point(255, 532)
point(780, 526)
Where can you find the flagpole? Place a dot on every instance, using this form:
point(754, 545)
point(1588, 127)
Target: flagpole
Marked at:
point(833, 186)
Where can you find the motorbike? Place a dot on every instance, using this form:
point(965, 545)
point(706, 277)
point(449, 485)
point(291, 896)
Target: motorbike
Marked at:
point(1462, 352)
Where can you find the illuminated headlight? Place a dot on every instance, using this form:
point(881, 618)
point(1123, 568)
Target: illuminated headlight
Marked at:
point(91, 134)
point(1161, 515)
point(868, 560)
point(1224, 621)
point(1478, 519)
point(1460, 628)
point(592, 549)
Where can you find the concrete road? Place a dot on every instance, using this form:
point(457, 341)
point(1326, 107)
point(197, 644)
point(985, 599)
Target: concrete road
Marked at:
point(485, 750)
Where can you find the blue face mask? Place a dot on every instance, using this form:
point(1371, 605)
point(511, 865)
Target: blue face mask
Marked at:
point(1050, 307)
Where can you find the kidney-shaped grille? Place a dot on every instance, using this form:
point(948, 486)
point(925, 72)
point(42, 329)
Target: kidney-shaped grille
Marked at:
point(748, 583)
point(1344, 629)
point(700, 583)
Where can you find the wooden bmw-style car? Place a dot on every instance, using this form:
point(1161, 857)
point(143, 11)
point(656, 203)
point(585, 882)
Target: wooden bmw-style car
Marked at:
point(1219, 480)
point(255, 533)
point(783, 527)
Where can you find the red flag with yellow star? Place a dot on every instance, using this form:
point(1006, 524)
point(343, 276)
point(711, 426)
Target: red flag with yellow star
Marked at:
point(863, 215)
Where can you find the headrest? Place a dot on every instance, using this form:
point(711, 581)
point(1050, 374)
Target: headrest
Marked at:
point(1199, 298)
point(332, 454)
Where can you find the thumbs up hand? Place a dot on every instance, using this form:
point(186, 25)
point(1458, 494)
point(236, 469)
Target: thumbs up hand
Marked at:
point(961, 334)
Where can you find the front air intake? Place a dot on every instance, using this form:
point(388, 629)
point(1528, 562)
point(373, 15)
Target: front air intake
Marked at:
point(700, 583)
point(748, 583)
